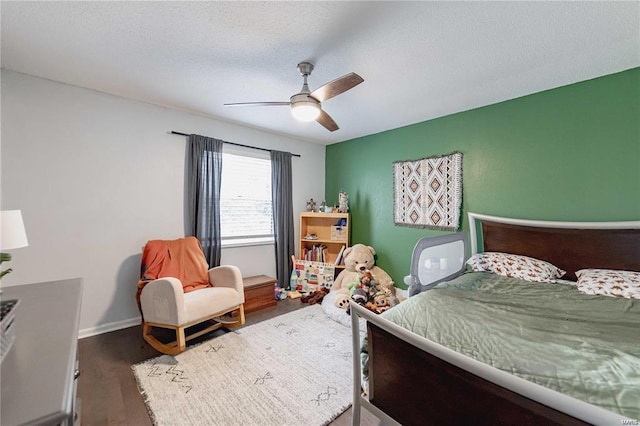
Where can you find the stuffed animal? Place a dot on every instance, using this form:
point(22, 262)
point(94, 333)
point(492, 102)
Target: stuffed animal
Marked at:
point(357, 259)
point(366, 278)
point(362, 291)
point(381, 303)
point(351, 287)
point(388, 294)
point(360, 296)
point(371, 305)
point(342, 301)
point(280, 293)
point(362, 279)
point(315, 296)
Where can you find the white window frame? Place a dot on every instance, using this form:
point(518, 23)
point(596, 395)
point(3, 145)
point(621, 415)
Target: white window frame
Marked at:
point(249, 240)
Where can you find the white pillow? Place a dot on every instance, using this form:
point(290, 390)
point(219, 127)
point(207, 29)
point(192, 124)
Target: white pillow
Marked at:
point(609, 282)
point(513, 265)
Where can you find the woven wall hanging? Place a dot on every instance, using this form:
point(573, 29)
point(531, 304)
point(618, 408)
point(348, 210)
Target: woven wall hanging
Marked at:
point(428, 192)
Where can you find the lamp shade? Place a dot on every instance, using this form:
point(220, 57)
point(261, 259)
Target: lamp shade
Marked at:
point(305, 110)
point(12, 233)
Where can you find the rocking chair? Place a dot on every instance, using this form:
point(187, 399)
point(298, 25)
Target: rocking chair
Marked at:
point(177, 290)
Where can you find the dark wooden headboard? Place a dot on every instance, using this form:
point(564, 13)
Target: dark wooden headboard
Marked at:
point(569, 248)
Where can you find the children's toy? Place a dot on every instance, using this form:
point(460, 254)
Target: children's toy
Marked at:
point(342, 301)
point(315, 296)
point(308, 276)
point(343, 202)
point(381, 303)
point(371, 305)
point(360, 296)
point(295, 294)
point(362, 291)
point(364, 278)
point(361, 281)
point(311, 205)
point(280, 293)
point(357, 259)
point(369, 293)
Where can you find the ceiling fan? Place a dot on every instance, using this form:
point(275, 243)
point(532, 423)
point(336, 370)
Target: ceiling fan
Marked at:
point(306, 105)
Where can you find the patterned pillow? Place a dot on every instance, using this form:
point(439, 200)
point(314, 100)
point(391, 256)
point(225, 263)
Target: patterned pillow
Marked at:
point(513, 265)
point(609, 282)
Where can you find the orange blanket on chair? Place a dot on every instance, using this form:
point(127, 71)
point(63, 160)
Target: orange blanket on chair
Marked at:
point(181, 258)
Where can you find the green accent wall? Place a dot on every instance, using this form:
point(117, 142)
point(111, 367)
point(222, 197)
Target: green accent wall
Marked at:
point(571, 153)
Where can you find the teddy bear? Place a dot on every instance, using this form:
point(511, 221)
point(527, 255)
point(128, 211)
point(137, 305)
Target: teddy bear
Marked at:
point(358, 259)
point(342, 301)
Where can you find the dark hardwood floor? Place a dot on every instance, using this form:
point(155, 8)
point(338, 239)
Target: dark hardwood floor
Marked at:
point(106, 386)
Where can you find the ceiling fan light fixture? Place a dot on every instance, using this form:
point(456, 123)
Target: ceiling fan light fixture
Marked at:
point(307, 105)
point(305, 110)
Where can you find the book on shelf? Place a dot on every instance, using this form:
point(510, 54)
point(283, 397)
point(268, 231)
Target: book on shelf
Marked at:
point(317, 253)
point(339, 257)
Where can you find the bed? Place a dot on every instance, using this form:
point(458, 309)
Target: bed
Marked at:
point(421, 380)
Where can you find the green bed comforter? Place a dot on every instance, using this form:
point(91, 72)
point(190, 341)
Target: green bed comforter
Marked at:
point(584, 346)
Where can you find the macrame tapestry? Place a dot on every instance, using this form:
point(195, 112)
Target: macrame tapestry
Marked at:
point(428, 192)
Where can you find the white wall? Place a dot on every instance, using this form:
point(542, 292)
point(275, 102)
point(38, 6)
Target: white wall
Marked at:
point(96, 176)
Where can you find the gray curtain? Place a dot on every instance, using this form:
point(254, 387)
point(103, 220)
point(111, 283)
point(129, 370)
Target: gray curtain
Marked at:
point(204, 171)
point(281, 196)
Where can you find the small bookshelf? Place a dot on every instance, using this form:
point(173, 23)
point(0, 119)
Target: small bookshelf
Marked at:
point(322, 239)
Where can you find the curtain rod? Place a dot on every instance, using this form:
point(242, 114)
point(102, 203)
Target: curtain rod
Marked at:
point(233, 143)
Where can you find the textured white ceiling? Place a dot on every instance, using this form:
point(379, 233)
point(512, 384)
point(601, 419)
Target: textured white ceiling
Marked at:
point(419, 60)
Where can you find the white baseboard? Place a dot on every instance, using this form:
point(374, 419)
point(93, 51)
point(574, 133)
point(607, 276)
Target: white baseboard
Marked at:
point(105, 328)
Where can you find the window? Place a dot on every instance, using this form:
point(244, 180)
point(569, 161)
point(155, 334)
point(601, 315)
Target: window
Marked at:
point(246, 211)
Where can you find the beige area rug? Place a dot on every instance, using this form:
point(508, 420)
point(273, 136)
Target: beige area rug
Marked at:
point(295, 369)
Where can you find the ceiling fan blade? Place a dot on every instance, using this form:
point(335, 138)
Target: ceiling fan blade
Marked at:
point(243, 104)
point(327, 121)
point(337, 86)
